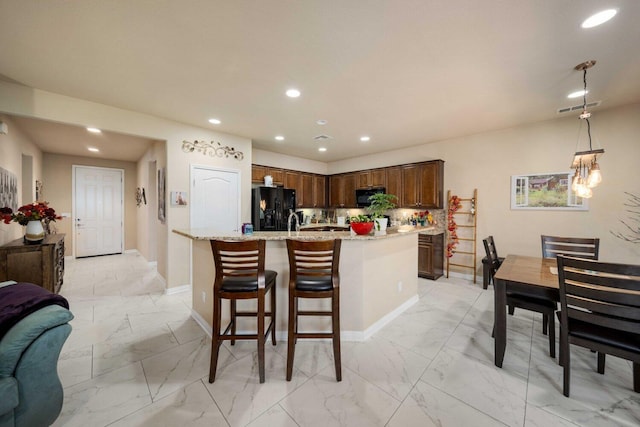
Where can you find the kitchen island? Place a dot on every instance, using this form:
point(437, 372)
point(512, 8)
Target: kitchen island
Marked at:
point(378, 278)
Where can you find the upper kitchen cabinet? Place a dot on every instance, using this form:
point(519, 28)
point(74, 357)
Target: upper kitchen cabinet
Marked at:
point(342, 190)
point(259, 172)
point(422, 185)
point(394, 183)
point(371, 178)
point(310, 188)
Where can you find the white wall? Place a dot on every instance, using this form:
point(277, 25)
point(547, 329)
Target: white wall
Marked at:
point(277, 160)
point(12, 146)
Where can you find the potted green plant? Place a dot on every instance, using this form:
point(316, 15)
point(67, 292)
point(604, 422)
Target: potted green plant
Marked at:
point(379, 204)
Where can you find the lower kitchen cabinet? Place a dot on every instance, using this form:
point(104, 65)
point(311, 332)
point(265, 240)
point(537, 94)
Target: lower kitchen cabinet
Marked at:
point(41, 264)
point(430, 255)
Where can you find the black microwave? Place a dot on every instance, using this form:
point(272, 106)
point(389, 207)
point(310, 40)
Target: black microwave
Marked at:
point(363, 194)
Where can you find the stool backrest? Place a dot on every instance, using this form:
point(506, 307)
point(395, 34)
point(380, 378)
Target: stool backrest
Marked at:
point(239, 259)
point(579, 247)
point(314, 258)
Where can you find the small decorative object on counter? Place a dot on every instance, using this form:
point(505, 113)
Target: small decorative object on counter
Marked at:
point(361, 224)
point(247, 228)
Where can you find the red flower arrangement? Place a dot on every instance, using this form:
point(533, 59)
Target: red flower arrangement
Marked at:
point(454, 206)
point(33, 212)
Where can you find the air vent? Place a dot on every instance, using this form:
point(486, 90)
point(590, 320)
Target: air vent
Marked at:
point(578, 107)
point(322, 137)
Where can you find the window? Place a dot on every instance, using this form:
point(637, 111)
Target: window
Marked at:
point(545, 191)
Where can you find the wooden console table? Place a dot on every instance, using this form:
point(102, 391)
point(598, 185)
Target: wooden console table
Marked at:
point(41, 264)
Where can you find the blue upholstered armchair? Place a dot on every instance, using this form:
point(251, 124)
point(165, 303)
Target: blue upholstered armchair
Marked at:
point(30, 389)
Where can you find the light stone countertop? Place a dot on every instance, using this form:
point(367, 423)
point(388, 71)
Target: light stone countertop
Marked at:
point(209, 234)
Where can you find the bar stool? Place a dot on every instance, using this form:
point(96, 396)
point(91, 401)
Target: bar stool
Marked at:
point(313, 273)
point(240, 274)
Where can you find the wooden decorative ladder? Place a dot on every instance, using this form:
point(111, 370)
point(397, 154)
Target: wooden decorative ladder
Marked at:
point(466, 219)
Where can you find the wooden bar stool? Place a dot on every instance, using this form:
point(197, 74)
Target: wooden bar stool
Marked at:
point(313, 273)
point(240, 274)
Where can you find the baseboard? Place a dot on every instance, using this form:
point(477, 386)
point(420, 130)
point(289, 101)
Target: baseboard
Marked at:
point(356, 336)
point(175, 289)
point(131, 251)
point(202, 323)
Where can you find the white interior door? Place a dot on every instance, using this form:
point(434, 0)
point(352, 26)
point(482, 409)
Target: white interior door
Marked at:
point(215, 199)
point(98, 211)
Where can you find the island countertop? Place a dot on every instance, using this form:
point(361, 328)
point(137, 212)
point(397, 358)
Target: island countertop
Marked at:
point(209, 234)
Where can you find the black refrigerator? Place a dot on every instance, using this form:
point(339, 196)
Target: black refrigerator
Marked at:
point(270, 207)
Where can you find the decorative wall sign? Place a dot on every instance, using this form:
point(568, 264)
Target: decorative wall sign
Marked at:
point(141, 197)
point(8, 190)
point(213, 149)
point(178, 198)
point(545, 191)
point(39, 195)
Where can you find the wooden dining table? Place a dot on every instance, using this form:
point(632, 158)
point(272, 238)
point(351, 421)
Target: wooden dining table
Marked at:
point(525, 275)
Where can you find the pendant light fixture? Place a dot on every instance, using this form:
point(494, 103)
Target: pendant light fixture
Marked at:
point(587, 171)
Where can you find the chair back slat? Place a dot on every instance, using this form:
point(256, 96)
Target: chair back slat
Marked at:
point(314, 258)
point(585, 293)
point(239, 258)
point(580, 247)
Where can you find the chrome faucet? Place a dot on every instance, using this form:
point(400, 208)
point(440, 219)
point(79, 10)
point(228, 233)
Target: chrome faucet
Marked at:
point(293, 216)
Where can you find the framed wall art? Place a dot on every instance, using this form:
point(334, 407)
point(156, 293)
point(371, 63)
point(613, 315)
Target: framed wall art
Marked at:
point(8, 189)
point(178, 198)
point(162, 205)
point(545, 191)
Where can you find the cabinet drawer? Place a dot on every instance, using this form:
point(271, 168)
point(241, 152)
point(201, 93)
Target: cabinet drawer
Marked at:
point(425, 238)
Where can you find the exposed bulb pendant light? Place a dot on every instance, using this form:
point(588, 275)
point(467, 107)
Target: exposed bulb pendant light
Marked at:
point(585, 163)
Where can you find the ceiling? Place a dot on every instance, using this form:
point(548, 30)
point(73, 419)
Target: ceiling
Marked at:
point(403, 72)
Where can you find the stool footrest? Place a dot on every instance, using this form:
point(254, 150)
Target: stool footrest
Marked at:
point(314, 313)
point(313, 335)
point(250, 314)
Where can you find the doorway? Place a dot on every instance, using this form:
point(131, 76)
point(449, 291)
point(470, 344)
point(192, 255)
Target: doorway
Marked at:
point(98, 206)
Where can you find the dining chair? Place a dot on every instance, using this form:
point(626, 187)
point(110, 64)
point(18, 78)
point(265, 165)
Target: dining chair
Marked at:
point(537, 303)
point(581, 247)
point(241, 275)
point(599, 310)
point(489, 263)
point(313, 273)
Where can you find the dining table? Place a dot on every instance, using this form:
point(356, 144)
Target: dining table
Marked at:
point(528, 275)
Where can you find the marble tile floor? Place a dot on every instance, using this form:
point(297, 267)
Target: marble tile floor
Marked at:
point(136, 358)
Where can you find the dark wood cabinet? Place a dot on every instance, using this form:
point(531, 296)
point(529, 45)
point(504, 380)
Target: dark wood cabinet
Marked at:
point(394, 183)
point(430, 255)
point(319, 191)
point(422, 185)
point(41, 264)
point(342, 190)
point(259, 172)
point(371, 178)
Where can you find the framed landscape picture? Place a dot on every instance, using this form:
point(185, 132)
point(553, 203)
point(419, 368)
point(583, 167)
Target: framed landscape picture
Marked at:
point(548, 191)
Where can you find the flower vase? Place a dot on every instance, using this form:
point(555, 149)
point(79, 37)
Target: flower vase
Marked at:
point(34, 232)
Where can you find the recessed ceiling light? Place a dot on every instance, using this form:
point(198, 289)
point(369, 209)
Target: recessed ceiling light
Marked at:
point(364, 138)
point(293, 93)
point(321, 122)
point(94, 130)
point(93, 150)
point(577, 94)
point(599, 18)
point(279, 138)
point(215, 121)
point(322, 149)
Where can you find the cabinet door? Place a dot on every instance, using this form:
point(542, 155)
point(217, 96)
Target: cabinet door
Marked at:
point(277, 175)
point(319, 191)
point(394, 183)
point(430, 195)
point(410, 181)
point(425, 259)
point(349, 191)
point(335, 190)
point(363, 179)
point(305, 200)
point(377, 178)
point(258, 173)
point(293, 180)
